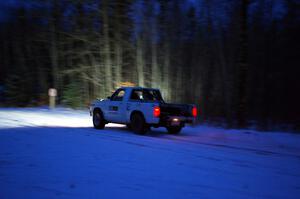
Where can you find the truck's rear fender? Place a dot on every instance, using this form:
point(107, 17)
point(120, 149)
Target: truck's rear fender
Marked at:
point(136, 112)
point(146, 109)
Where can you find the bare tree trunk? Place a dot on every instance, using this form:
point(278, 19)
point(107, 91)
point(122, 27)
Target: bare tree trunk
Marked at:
point(54, 57)
point(96, 76)
point(140, 62)
point(118, 59)
point(243, 65)
point(225, 81)
point(166, 72)
point(154, 65)
point(53, 45)
point(179, 83)
point(107, 49)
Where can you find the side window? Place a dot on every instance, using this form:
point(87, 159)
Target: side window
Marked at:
point(136, 95)
point(118, 95)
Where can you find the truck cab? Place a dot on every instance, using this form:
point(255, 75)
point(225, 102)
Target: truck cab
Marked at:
point(141, 108)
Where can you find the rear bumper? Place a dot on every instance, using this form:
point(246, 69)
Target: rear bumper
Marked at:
point(189, 120)
point(169, 121)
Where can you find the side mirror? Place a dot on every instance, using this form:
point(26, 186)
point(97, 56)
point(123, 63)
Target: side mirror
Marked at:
point(108, 97)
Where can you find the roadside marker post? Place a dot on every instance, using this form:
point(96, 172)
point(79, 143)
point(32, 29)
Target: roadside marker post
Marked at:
point(52, 92)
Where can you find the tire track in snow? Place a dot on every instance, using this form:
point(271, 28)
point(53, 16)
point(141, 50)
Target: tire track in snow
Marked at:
point(257, 151)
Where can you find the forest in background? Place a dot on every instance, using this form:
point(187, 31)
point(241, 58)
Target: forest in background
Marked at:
point(236, 59)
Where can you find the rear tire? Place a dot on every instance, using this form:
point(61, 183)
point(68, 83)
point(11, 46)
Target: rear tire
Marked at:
point(98, 119)
point(138, 124)
point(174, 129)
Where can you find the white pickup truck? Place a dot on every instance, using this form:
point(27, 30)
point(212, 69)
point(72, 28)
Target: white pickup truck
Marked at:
point(141, 108)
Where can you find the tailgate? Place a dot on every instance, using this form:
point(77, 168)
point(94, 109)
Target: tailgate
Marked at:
point(176, 110)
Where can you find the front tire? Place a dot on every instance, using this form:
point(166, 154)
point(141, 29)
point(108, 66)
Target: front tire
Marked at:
point(98, 119)
point(138, 124)
point(174, 129)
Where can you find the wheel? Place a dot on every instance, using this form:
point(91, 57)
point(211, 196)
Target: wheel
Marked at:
point(138, 124)
point(98, 119)
point(174, 129)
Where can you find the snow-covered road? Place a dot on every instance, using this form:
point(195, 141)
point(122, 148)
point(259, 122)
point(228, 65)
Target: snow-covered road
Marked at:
point(57, 154)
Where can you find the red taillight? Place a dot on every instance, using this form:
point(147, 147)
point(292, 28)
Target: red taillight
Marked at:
point(194, 111)
point(156, 111)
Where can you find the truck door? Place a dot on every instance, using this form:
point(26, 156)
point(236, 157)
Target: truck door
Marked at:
point(116, 106)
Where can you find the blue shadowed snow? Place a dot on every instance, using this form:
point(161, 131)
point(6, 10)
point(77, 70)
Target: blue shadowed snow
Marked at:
point(57, 154)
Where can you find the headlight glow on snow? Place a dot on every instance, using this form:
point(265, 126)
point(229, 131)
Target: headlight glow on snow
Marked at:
point(37, 117)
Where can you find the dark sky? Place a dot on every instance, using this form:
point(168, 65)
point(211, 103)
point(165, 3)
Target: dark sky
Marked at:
point(5, 6)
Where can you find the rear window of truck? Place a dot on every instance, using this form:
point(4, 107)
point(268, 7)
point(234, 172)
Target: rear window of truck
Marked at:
point(146, 95)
